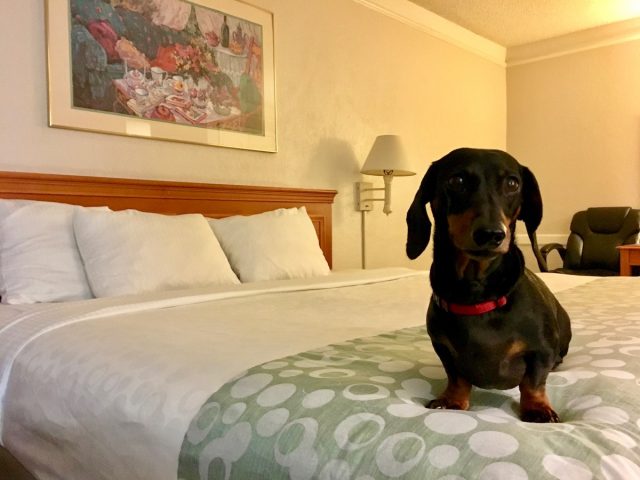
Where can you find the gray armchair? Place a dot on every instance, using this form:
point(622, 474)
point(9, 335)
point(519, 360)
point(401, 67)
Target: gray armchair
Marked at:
point(595, 234)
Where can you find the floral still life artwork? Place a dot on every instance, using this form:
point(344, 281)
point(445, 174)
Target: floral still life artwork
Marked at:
point(204, 65)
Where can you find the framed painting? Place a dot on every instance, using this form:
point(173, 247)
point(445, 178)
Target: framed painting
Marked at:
point(196, 71)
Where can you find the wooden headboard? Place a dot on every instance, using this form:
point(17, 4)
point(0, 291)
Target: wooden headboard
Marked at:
point(211, 200)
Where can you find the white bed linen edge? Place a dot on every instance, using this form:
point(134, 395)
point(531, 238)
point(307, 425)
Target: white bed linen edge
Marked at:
point(21, 325)
point(558, 282)
point(117, 404)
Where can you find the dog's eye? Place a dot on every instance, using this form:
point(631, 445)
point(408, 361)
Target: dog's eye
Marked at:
point(511, 185)
point(457, 183)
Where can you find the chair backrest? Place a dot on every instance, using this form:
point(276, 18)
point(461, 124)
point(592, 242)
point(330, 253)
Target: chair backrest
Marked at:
point(595, 234)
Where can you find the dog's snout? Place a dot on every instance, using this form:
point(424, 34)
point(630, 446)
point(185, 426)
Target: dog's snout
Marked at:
point(490, 237)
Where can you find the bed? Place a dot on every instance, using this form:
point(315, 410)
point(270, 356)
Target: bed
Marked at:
point(318, 376)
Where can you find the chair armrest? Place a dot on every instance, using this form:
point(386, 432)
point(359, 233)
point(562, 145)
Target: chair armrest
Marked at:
point(550, 247)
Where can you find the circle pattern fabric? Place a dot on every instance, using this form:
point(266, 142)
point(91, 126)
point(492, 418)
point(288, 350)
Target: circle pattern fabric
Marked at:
point(356, 410)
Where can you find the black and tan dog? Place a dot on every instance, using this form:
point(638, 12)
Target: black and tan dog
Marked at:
point(492, 322)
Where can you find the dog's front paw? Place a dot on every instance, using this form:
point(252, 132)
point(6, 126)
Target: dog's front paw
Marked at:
point(447, 403)
point(540, 414)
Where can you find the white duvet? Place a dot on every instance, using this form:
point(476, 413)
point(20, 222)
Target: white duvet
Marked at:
point(106, 388)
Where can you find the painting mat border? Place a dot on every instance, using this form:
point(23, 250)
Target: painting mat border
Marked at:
point(62, 114)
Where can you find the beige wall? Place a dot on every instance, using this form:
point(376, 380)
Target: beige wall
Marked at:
point(575, 120)
point(345, 73)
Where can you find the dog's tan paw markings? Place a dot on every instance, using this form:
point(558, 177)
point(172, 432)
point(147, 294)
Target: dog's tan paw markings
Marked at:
point(445, 404)
point(542, 415)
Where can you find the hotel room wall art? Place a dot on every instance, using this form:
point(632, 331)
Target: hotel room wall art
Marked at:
point(199, 71)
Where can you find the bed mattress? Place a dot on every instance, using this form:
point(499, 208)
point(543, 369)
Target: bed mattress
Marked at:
point(124, 387)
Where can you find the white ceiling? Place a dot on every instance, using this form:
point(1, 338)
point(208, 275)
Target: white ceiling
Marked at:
point(517, 22)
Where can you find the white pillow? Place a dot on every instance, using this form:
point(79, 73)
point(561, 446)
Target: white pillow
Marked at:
point(131, 252)
point(274, 245)
point(39, 259)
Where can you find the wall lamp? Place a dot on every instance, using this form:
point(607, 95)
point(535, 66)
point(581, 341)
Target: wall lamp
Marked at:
point(387, 159)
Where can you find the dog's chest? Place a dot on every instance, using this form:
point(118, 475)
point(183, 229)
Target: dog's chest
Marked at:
point(486, 350)
point(479, 338)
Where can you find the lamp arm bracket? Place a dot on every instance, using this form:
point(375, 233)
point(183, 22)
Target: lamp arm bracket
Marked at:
point(365, 204)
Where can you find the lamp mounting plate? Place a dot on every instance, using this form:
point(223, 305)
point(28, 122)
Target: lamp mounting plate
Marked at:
point(364, 202)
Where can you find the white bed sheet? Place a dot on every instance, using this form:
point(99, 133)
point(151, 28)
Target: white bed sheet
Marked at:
point(95, 385)
point(558, 282)
point(106, 388)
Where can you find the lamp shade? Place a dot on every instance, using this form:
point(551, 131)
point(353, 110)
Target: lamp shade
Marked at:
point(387, 157)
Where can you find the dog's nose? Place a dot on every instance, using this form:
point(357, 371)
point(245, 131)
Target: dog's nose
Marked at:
point(488, 237)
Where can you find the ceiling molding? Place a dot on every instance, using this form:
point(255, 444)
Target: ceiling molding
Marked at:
point(436, 26)
point(606, 35)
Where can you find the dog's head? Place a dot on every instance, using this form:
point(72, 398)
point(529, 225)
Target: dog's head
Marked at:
point(477, 195)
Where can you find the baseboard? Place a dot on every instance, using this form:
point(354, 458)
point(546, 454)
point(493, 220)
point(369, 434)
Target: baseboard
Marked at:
point(543, 238)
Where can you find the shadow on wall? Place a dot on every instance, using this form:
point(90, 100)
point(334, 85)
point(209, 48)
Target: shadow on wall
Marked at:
point(637, 167)
point(335, 161)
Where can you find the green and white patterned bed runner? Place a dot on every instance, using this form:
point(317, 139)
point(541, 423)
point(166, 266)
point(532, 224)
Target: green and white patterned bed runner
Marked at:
point(355, 410)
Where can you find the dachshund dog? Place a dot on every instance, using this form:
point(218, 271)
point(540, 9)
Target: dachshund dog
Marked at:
point(492, 322)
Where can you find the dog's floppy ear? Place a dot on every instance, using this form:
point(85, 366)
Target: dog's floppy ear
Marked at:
point(531, 208)
point(418, 223)
point(531, 213)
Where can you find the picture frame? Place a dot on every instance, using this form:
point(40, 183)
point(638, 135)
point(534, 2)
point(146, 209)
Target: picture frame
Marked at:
point(194, 71)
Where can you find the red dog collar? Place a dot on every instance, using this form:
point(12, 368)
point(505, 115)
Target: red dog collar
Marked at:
point(475, 309)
